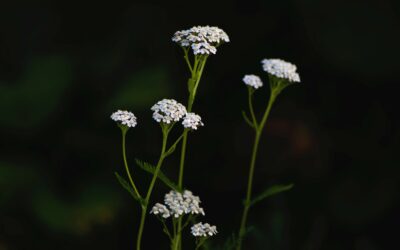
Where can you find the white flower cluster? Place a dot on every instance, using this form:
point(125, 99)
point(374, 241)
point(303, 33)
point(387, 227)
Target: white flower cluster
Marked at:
point(160, 209)
point(177, 204)
point(203, 230)
point(281, 69)
point(168, 111)
point(125, 118)
point(253, 81)
point(202, 39)
point(192, 121)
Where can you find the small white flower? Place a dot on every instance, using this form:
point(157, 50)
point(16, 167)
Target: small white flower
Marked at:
point(253, 81)
point(281, 69)
point(185, 203)
point(203, 230)
point(203, 48)
point(192, 121)
point(125, 118)
point(161, 210)
point(168, 111)
point(202, 39)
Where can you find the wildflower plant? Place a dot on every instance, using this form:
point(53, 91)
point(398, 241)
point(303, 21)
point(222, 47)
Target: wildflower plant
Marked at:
point(197, 43)
point(180, 207)
point(281, 74)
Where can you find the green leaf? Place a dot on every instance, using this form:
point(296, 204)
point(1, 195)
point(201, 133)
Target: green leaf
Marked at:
point(128, 187)
point(271, 191)
point(152, 169)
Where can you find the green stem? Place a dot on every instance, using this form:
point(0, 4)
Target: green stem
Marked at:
point(253, 117)
point(186, 56)
point(182, 160)
point(126, 163)
point(258, 130)
point(149, 191)
point(200, 242)
point(186, 223)
point(141, 226)
point(166, 230)
point(198, 73)
point(196, 76)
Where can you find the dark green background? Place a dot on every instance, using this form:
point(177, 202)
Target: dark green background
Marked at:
point(64, 67)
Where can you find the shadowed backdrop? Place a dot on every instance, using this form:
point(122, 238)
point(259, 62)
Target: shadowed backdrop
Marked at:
point(65, 67)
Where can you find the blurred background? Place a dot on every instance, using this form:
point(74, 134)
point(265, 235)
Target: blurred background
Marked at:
point(65, 67)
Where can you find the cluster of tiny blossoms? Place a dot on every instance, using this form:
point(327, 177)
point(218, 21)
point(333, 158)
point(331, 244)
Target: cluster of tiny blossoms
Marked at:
point(177, 204)
point(161, 210)
point(253, 81)
point(202, 39)
point(192, 121)
point(203, 230)
point(281, 69)
point(125, 118)
point(168, 111)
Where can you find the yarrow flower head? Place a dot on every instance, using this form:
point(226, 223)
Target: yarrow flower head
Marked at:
point(168, 111)
point(185, 203)
point(125, 118)
point(192, 121)
point(161, 210)
point(281, 69)
point(203, 230)
point(177, 204)
point(203, 40)
point(253, 81)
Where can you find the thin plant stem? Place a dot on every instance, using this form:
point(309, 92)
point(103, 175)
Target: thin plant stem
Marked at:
point(141, 227)
point(149, 191)
point(258, 132)
point(166, 230)
point(200, 242)
point(250, 98)
point(175, 241)
point(197, 71)
point(186, 56)
point(126, 163)
point(186, 223)
point(197, 77)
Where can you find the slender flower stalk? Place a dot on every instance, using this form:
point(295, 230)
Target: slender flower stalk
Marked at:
point(196, 73)
point(281, 74)
point(125, 121)
point(128, 172)
point(193, 81)
point(149, 191)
